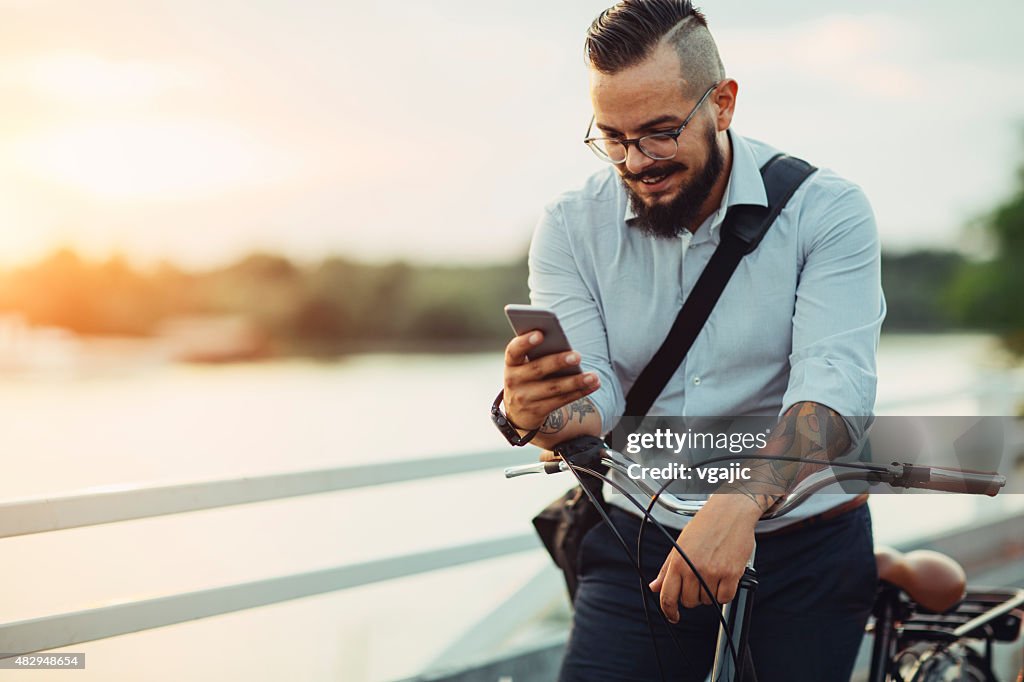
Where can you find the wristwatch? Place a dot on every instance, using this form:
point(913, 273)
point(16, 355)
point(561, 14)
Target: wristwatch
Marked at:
point(505, 425)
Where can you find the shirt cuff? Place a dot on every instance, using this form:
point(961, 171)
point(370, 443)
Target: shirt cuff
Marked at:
point(605, 400)
point(841, 386)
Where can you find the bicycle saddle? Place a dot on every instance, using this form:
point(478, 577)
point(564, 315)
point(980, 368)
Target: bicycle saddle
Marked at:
point(931, 579)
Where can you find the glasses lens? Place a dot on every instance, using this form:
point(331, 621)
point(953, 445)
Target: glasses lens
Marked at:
point(659, 147)
point(608, 149)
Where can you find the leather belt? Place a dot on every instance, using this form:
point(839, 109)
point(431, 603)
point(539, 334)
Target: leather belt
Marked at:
point(826, 515)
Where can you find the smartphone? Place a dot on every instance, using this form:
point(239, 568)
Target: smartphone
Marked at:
point(528, 318)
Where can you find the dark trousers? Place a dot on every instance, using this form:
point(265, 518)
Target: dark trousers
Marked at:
point(815, 592)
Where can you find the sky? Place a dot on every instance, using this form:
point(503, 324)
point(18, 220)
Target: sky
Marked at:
point(199, 131)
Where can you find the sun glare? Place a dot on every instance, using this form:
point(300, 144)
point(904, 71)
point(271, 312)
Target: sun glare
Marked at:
point(148, 160)
point(112, 140)
point(86, 79)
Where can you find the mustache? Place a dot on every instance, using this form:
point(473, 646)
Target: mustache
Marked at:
point(654, 172)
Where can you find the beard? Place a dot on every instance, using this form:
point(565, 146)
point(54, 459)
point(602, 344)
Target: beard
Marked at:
point(670, 220)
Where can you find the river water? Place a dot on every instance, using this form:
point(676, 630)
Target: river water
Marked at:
point(177, 423)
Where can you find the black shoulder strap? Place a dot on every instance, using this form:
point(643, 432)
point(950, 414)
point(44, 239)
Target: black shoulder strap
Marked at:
point(742, 230)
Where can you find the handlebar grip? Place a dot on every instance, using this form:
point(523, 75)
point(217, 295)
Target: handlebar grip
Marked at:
point(952, 480)
point(533, 468)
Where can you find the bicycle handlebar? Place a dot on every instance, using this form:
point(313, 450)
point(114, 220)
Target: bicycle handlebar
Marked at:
point(950, 480)
point(897, 474)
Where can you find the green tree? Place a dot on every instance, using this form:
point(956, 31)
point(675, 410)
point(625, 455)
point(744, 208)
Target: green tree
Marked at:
point(913, 284)
point(988, 294)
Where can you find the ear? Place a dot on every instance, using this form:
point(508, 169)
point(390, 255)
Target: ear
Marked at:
point(724, 100)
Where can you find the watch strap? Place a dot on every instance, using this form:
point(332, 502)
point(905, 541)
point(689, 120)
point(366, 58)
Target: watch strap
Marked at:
point(507, 426)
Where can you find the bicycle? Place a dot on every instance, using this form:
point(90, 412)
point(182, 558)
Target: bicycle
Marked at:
point(924, 618)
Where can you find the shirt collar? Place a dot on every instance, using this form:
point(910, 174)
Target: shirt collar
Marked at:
point(744, 186)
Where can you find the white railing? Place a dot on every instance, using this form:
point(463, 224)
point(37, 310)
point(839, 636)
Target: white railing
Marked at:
point(122, 503)
point(108, 504)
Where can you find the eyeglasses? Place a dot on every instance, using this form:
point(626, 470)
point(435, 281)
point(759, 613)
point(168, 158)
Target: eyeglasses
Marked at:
point(658, 146)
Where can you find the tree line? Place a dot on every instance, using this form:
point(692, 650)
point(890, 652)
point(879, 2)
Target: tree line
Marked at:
point(339, 305)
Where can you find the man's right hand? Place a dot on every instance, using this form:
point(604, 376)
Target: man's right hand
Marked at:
point(529, 396)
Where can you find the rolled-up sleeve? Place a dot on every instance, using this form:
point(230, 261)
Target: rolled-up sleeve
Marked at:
point(556, 283)
point(839, 311)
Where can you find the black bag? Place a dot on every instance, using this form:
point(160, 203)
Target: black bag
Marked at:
point(563, 523)
point(561, 526)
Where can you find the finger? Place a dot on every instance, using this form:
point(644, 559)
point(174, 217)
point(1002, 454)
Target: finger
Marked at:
point(691, 590)
point(553, 393)
point(542, 367)
point(517, 348)
point(655, 584)
point(705, 597)
point(670, 595)
point(530, 399)
point(548, 456)
point(727, 591)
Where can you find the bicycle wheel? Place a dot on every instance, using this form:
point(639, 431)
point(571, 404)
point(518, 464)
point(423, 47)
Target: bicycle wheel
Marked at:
point(936, 663)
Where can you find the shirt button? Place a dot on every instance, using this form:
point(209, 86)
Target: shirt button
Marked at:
point(693, 246)
point(696, 381)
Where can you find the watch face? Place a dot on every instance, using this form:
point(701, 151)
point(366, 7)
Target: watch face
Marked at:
point(511, 435)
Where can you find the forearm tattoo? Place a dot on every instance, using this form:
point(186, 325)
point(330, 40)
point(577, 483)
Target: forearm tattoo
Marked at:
point(807, 430)
point(563, 416)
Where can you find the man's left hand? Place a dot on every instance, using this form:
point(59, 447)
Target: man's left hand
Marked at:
point(719, 541)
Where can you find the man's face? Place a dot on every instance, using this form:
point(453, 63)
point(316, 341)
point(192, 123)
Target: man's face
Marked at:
point(668, 195)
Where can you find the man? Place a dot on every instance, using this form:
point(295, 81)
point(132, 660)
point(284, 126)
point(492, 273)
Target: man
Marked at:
point(793, 334)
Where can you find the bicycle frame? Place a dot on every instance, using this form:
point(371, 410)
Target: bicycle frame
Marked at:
point(737, 615)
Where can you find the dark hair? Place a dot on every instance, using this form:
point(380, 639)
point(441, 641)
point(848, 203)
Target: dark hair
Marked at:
point(626, 34)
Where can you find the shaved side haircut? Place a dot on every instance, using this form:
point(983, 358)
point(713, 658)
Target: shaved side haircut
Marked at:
point(627, 33)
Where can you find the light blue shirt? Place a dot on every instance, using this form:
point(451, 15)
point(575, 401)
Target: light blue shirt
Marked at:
point(798, 321)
